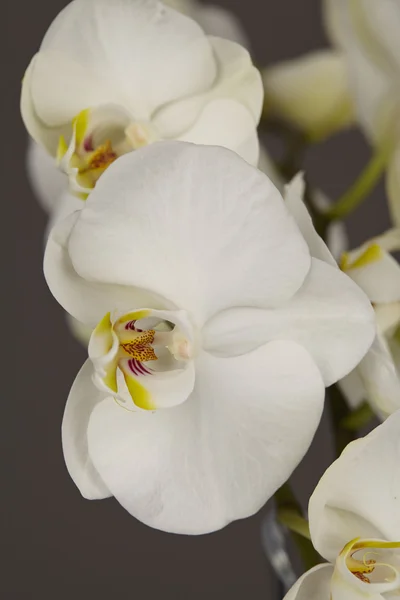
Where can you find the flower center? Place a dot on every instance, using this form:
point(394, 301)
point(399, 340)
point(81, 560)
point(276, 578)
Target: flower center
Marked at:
point(374, 562)
point(127, 350)
point(99, 137)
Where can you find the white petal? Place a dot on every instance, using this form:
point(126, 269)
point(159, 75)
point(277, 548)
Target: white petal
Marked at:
point(313, 585)
point(393, 186)
point(196, 225)
point(267, 166)
point(337, 239)
point(82, 399)
point(85, 300)
point(96, 53)
point(353, 388)
point(329, 316)
point(219, 456)
point(66, 205)
point(220, 22)
point(215, 20)
point(372, 87)
point(311, 92)
point(336, 236)
point(226, 123)
point(359, 495)
point(47, 181)
point(374, 269)
point(294, 193)
point(379, 28)
point(37, 130)
point(238, 80)
point(381, 378)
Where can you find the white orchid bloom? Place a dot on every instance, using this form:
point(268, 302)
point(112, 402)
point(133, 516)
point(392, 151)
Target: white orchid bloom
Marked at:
point(110, 78)
point(354, 518)
point(310, 92)
point(216, 332)
point(368, 33)
point(377, 272)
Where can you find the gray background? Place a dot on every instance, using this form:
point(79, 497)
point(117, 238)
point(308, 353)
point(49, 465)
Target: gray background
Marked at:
point(58, 545)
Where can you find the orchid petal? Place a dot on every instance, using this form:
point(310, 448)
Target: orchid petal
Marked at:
point(371, 84)
point(374, 269)
point(217, 21)
point(294, 193)
point(329, 316)
point(311, 92)
point(215, 458)
point(381, 377)
point(155, 229)
point(82, 399)
point(313, 585)
point(227, 114)
point(226, 123)
point(94, 52)
point(359, 495)
point(353, 388)
point(87, 301)
point(47, 181)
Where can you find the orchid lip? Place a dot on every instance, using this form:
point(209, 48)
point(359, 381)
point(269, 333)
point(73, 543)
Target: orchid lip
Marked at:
point(130, 350)
point(375, 563)
point(99, 137)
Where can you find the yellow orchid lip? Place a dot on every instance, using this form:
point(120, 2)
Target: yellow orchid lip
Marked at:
point(127, 347)
point(365, 567)
point(99, 137)
point(373, 253)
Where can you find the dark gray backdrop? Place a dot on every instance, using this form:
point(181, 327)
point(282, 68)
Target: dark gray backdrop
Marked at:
point(59, 546)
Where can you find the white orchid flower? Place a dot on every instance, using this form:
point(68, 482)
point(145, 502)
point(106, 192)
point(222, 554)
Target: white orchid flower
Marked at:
point(354, 518)
point(377, 272)
point(48, 181)
point(311, 92)
point(110, 78)
point(368, 33)
point(216, 333)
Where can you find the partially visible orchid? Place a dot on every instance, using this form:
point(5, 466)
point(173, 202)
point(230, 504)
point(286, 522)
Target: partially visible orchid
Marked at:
point(354, 518)
point(377, 272)
point(310, 93)
point(215, 332)
point(367, 33)
point(110, 78)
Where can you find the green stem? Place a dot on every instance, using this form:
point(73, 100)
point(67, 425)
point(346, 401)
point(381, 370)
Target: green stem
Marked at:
point(358, 418)
point(362, 187)
point(291, 516)
point(295, 522)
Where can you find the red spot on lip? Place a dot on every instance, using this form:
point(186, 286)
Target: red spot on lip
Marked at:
point(88, 144)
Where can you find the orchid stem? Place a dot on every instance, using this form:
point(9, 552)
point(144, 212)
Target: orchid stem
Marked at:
point(358, 418)
point(362, 187)
point(294, 521)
